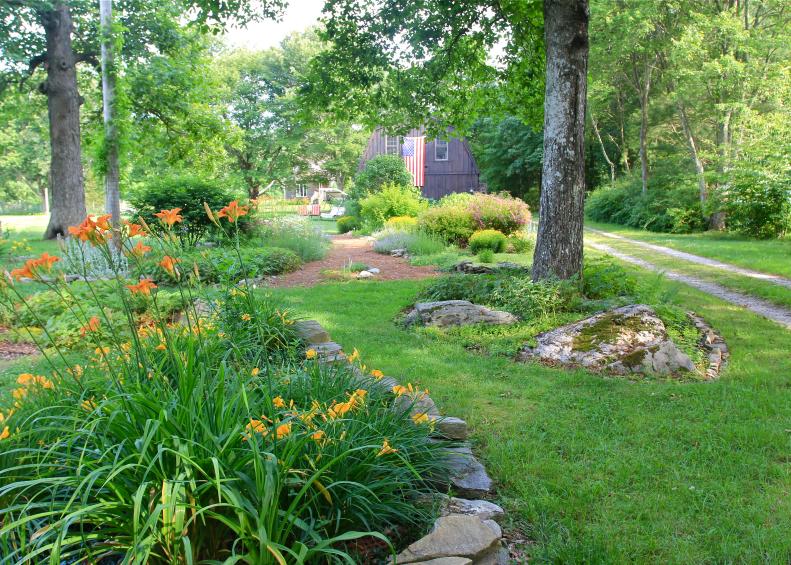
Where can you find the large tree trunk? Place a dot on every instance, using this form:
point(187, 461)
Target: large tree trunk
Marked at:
point(63, 104)
point(559, 245)
point(112, 195)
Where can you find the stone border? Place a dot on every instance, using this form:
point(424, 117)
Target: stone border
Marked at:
point(466, 532)
point(713, 344)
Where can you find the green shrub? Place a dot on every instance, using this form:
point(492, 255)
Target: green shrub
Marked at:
point(499, 212)
point(378, 172)
point(401, 223)
point(519, 243)
point(757, 202)
point(392, 200)
point(487, 239)
point(604, 278)
point(454, 224)
point(185, 192)
point(347, 223)
point(486, 256)
point(673, 208)
point(294, 233)
point(218, 264)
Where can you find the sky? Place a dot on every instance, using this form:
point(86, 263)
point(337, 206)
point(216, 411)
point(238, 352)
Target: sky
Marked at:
point(299, 15)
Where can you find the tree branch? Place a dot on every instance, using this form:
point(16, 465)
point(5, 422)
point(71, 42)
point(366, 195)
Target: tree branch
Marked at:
point(90, 58)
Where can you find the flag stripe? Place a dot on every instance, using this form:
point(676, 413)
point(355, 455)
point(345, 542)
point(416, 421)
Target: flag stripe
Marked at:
point(414, 154)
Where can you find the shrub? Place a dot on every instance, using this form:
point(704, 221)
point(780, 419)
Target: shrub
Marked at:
point(603, 278)
point(486, 256)
point(758, 202)
point(499, 212)
point(378, 172)
point(416, 243)
point(217, 264)
point(454, 224)
point(347, 223)
point(487, 239)
point(392, 200)
point(673, 208)
point(294, 233)
point(401, 223)
point(519, 243)
point(185, 192)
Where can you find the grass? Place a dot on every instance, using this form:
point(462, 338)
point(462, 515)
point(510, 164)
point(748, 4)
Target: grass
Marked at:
point(768, 256)
point(763, 289)
point(326, 226)
point(27, 230)
point(605, 470)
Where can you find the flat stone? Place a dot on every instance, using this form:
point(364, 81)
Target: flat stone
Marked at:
point(311, 332)
point(483, 509)
point(365, 275)
point(495, 556)
point(494, 526)
point(328, 348)
point(451, 428)
point(420, 405)
point(452, 536)
point(374, 270)
point(456, 313)
point(467, 475)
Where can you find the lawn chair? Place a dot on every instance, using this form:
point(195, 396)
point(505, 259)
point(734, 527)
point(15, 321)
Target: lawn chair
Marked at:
point(335, 212)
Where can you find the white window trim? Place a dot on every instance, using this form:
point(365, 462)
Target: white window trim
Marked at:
point(447, 149)
point(301, 191)
point(397, 145)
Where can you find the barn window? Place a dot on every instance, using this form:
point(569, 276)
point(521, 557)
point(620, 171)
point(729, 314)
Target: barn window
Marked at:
point(440, 150)
point(392, 146)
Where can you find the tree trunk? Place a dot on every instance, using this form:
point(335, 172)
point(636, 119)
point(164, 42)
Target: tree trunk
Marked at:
point(63, 104)
point(112, 196)
point(717, 219)
point(603, 149)
point(693, 151)
point(44, 192)
point(559, 245)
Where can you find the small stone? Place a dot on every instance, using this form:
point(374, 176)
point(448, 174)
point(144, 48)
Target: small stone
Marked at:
point(496, 556)
point(365, 275)
point(451, 428)
point(483, 509)
point(311, 332)
point(452, 536)
point(374, 270)
point(327, 349)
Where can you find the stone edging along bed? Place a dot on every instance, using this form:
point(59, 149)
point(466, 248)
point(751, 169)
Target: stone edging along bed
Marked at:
point(466, 533)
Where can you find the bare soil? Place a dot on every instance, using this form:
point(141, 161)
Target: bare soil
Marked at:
point(348, 249)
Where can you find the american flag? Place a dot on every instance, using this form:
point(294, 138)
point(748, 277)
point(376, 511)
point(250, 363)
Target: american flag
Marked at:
point(414, 154)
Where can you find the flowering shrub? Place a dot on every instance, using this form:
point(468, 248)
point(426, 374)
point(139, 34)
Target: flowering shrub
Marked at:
point(403, 223)
point(347, 223)
point(487, 239)
point(392, 200)
point(214, 437)
point(499, 212)
point(454, 223)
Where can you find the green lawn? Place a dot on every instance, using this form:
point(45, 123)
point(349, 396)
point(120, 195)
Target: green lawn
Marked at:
point(763, 289)
point(604, 470)
point(768, 256)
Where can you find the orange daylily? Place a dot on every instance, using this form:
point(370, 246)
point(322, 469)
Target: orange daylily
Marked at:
point(310, 354)
point(169, 217)
point(92, 326)
point(135, 229)
point(5, 434)
point(46, 260)
point(139, 249)
point(169, 264)
point(32, 266)
point(88, 230)
point(377, 374)
point(103, 222)
point(24, 272)
point(278, 402)
point(233, 211)
point(143, 287)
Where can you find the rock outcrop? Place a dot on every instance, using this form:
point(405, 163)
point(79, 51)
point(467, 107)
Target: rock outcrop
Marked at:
point(455, 313)
point(631, 339)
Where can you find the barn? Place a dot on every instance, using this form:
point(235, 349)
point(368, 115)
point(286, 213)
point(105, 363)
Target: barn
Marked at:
point(448, 164)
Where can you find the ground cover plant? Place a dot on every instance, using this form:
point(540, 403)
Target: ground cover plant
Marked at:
point(213, 437)
point(291, 232)
point(605, 470)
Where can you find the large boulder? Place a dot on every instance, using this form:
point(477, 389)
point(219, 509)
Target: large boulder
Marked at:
point(455, 313)
point(631, 339)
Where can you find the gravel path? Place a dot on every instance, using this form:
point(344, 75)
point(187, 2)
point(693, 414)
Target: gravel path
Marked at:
point(775, 279)
point(349, 249)
point(761, 307)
